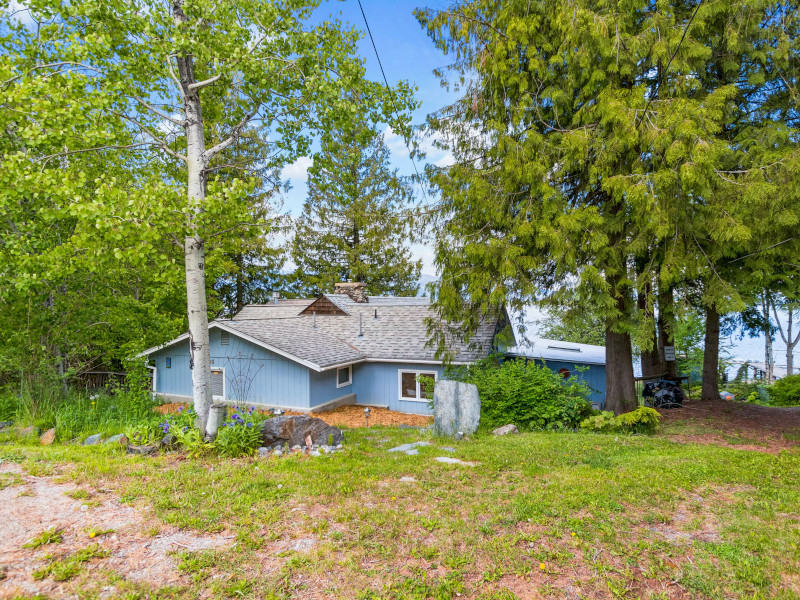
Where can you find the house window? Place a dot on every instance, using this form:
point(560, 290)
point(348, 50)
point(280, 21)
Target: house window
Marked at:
point(224, 338)
point(169, 362)
point(344, 376)
point(410, 386)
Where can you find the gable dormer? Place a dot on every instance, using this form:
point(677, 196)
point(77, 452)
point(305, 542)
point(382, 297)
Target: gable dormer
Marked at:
point(324, 306)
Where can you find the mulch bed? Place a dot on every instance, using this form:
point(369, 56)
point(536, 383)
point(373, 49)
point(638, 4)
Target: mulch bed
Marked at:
point(770, 428)
point(344, 416)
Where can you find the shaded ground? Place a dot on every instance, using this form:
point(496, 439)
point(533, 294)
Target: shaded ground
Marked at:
point(346, 416)
point(733, 424)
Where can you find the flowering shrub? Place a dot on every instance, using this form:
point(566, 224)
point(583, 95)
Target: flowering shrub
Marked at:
point(240, 435)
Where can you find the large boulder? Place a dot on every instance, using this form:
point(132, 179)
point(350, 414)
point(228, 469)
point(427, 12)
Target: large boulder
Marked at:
point(295, 429)
point(456, 408)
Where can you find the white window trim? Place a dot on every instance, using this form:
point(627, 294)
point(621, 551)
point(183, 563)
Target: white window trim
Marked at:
point(349, 378)
point(417, 373)
point(154, 371)
point(224, 384)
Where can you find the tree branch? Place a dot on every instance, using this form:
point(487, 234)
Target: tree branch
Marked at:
point(178, 122)
point(232, 137)
point(156, 140)
point(201, 84)
point(46, 159)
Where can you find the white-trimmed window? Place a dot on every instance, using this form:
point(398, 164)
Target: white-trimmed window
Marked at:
point(344, 376)
point(409, 386)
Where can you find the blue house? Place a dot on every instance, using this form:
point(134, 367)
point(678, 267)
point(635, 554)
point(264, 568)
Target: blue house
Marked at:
point(585, 361)
point(316, 354)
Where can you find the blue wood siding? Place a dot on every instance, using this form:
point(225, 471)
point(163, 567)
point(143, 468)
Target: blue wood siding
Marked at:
point(252, 373)
point(376, 383)
point(593, 375)
point(323, 387)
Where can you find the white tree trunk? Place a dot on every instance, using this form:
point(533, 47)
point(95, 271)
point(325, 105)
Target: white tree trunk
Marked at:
point(194, 245)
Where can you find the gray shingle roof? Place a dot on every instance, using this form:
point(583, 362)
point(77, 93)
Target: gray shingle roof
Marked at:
point(398, 333)
point(299, 340)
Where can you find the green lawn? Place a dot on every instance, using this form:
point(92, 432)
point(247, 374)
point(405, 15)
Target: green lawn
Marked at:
point(543, 515)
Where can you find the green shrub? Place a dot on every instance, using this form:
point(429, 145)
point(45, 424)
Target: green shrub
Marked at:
point(785, 392)
point(529, 395)
point(240, 434)
point(605, 422)
point(643, 420)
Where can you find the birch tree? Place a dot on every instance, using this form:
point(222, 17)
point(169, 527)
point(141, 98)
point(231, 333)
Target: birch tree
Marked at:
point(157, 75)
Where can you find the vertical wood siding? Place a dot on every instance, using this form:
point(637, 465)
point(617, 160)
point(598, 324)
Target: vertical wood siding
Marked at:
point(323, 387)
point(594, 376)
point(266, 377)
point(376, 383)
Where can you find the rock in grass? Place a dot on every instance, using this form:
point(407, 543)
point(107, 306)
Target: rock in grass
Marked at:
point(454, 461)
point(506, 430)
point(142, 450)
point(297, 430)
point(169, 442)
point(120, 439)
point(29, 431)
point(263, 452)
point(48, 437)
point(456, 408)
point(407, 447)
point(93, 439)
point(5, 424)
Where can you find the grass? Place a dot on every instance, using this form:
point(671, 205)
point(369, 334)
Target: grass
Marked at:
point(53, 535)
point(610, 516)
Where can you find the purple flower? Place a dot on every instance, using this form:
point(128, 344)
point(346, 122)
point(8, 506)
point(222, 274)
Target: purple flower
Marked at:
point(249, 424)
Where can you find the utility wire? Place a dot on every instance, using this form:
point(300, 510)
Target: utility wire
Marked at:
point(386, 81)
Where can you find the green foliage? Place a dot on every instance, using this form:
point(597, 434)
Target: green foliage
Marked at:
point(529, 395)
point(53, 535)
point(78, 414)
point(575, 324)
point(356, 223)
point(786, 391)
point(643, 420)
point(240, 434)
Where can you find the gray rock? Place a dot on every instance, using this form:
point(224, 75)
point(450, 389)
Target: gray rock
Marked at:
point(295, 430)
point(456, 407)
point(93, 439)
point(506, 430)
point(302, 545)
point(297, 447)
point(404, 426)
point(407, 479)
point(412, 452)
point(263, 452)
point(169, 441)
point(142, 450)
point(29, 431)
point(4, 424)
point(454, 461)
point(315, 453)
point(459, 435)
point(448, 449)
point(407, 447)
point(426, 429)
point(120, 438)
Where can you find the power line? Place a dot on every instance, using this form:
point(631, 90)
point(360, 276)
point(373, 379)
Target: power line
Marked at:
point(386, 81)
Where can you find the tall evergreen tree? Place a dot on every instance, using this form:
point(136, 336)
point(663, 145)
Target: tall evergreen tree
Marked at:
point(357, 221)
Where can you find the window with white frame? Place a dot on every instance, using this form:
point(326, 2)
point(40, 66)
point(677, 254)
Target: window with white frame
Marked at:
point(344, 376)
point(410, 386)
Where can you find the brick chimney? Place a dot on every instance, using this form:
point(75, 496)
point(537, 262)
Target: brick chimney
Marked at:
point(356, 290)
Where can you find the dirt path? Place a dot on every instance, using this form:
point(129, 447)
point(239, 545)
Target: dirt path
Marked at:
point(734, 424)
point(139, 548)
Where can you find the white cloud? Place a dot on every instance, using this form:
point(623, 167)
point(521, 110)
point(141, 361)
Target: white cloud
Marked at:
point(297, 170)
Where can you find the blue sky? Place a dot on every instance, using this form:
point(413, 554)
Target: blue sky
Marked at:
point(407, 54)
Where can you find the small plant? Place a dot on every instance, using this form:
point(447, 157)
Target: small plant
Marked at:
point(240, 435)
point(605, 422)
point(54, 535)
point(66, 568)
point(643, 420)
